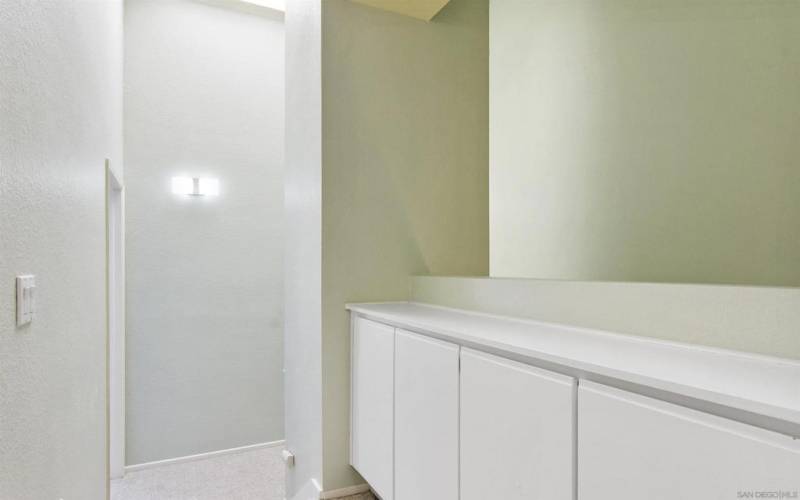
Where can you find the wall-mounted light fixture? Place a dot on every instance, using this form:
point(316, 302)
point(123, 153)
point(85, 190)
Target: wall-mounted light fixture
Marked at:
point(195, 186)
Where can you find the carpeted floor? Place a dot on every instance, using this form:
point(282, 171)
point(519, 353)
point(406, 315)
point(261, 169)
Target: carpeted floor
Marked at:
point(251, 475)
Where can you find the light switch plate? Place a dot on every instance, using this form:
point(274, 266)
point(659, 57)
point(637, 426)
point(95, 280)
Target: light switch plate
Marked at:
point(26, 299)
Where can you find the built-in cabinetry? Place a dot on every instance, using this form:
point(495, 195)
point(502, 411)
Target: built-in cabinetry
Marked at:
point(517, 430)
point(441, 412)
point(632, 447)
point(372, 415)
point(426, 418)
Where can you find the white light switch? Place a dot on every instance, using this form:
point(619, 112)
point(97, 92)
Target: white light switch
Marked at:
point(26, 299)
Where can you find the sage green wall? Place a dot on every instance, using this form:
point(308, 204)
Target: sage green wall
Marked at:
point(404, 172)
point(762, 320)
point(646, 140)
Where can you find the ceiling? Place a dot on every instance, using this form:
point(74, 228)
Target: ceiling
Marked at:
point(419, 9)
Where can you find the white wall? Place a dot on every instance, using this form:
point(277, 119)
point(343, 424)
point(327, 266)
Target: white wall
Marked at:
point(404, 171)
point(203, 97)
point(646, 140)
point(303, 271)
point(60, 118)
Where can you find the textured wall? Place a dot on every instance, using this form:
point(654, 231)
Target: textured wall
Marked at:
point(60, 118)
point(204, 97)
point(646, 140)
point(762, 320)
point(404, 171)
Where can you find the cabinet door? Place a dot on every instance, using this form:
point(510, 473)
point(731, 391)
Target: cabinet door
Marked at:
point(517, 430)
point(426, 418)
point(372, 411)
point(632, 447)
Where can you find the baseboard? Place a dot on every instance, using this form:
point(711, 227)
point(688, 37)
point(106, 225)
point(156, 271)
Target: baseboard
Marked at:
point(201, 456)
point(344, 492)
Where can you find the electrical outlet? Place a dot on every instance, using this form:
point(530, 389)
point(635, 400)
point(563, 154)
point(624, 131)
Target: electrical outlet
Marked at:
point(288, 458)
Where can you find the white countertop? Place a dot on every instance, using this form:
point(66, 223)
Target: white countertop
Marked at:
point(761, 385)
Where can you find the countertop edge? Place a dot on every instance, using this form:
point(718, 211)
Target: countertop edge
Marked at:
point(588, 371)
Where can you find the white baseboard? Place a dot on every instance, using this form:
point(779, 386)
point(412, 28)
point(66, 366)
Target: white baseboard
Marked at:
point(201, 456)
point(344, 492)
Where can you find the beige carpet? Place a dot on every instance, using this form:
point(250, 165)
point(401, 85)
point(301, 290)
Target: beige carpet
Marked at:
point(251, 475)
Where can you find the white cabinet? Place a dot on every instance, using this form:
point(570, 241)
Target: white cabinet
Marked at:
point(426, 418)
point(632, 447)
point(435, 421)
point(372, 404)
point(517, 430)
